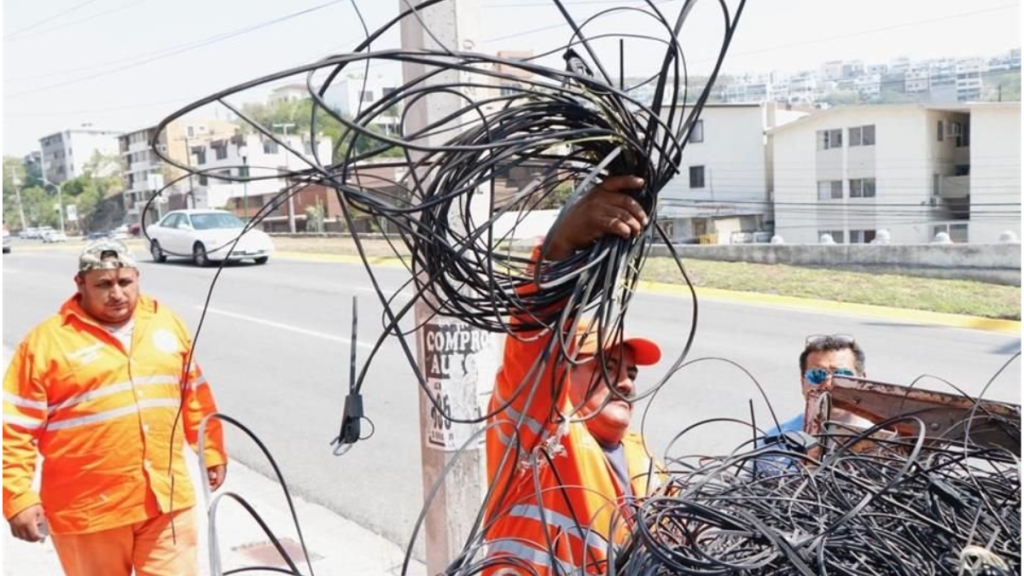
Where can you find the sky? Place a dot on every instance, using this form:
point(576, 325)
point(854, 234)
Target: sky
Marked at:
point(126, 64)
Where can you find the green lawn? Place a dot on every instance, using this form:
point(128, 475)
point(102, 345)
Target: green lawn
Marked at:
point(949, 296)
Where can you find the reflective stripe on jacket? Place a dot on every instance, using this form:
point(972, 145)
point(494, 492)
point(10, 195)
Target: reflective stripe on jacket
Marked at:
point(579, 510)
point(102, 419)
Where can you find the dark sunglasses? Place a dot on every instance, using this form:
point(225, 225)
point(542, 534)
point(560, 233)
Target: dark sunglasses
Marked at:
point(841, 339)
point(816, 376)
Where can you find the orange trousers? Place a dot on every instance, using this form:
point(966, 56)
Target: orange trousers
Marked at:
point(147, 546)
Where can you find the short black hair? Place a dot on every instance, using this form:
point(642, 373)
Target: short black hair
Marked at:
point(830, 344)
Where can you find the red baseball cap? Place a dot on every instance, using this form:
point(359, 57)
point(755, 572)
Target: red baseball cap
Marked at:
point(645, 352)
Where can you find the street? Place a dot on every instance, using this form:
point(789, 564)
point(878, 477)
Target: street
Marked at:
point(274, 345)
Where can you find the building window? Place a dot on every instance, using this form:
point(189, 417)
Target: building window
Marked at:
point(862, 136)
point(190, 131)
point(830, 190)
point(203, 180)
point(221, 152)
point(828, 139)
point(862, 236)
point(963, 138)
point(200, 155)
point(697, 134)
point(366, 96)
point(269, 147)
point(868, 135)
point(837, 235)
point(862, 188)
point(939, 134)
point(957, 232)
point(696, 176)
point(936, 185)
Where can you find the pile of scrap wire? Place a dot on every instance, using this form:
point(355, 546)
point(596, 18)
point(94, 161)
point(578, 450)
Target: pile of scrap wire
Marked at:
point(871, 507)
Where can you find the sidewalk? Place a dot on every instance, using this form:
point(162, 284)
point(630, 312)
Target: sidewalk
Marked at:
point(336, 546)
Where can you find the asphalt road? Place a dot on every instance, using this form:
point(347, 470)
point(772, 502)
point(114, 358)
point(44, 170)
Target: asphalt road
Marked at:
point(274, 344)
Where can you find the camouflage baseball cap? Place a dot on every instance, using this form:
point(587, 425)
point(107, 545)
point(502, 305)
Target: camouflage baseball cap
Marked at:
point(105, 254)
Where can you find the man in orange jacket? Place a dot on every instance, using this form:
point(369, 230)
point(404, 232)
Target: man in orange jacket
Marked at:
point(561, 454)
point(106, 392)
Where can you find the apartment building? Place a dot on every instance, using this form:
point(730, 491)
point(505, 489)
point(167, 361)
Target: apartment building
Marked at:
point(253, 155)
point(288, 93)
point(65, 154)
point(724, 189)
point(354, 94)
point(912, 170)
point(145, 174)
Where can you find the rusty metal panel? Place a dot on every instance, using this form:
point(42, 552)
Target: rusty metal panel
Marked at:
point(947, 417)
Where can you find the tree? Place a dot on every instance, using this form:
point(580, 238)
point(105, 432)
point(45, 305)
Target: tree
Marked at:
point(315, 217)
point(300, 113)
point(39, 207)
point(14, 176)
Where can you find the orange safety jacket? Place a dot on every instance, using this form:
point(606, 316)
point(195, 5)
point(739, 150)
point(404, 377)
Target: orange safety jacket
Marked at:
point(102, 419)
point(581, 494)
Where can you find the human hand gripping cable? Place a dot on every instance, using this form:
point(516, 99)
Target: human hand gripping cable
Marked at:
point(606, 210)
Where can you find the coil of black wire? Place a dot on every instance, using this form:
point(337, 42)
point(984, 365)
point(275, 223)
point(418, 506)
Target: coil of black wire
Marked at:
point(872, 507)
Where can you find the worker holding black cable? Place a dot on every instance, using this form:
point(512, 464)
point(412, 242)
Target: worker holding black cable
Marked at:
point(107, 392)
point(572, 466)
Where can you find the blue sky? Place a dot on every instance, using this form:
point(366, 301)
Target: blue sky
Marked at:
point(124, 64)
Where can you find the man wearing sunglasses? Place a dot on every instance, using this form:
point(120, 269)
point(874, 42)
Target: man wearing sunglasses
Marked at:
point(824, 356)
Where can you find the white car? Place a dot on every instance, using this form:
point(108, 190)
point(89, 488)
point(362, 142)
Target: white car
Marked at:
point(206, 236)
point(52, 236)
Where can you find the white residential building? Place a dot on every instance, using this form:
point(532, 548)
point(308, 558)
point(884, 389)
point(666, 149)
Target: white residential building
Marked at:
point(725, 183)
point(65, 154)
point(910, 169)
point(288, 93)
point(145, 174)
point(916, 79)
point(869, 85)
point(354, 94)
point(995, 144)
point(968, 79)
point(832, 70)
point(252, 154)
point(942, 80)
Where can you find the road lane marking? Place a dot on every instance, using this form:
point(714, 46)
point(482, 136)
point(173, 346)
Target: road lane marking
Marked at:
point(280, 326)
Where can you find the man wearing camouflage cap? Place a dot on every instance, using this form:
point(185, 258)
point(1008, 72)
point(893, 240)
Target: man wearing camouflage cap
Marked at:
point(107, 392)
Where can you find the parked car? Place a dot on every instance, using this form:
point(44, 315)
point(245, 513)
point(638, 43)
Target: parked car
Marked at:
point(96, 236)
point(206, 236)
point(52, 236)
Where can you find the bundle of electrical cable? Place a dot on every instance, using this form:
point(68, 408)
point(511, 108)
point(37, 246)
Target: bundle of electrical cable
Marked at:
point(570, 127)
point(908, 506)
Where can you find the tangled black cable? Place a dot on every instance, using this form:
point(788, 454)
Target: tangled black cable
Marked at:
point(897, 509)
point(871, 507)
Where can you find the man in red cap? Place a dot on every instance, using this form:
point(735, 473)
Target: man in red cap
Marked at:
point(561, 454)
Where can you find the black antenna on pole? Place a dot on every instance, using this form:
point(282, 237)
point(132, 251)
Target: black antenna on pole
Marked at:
point(352, 416)
point(622, 64)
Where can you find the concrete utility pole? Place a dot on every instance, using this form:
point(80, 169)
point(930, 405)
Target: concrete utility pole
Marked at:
point(459, 362)
point(17, 193)
point(291, 198)
point(60, 200)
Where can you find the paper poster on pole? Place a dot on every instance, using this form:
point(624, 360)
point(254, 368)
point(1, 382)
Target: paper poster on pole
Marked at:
point(455, 354)
point(72, 211)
